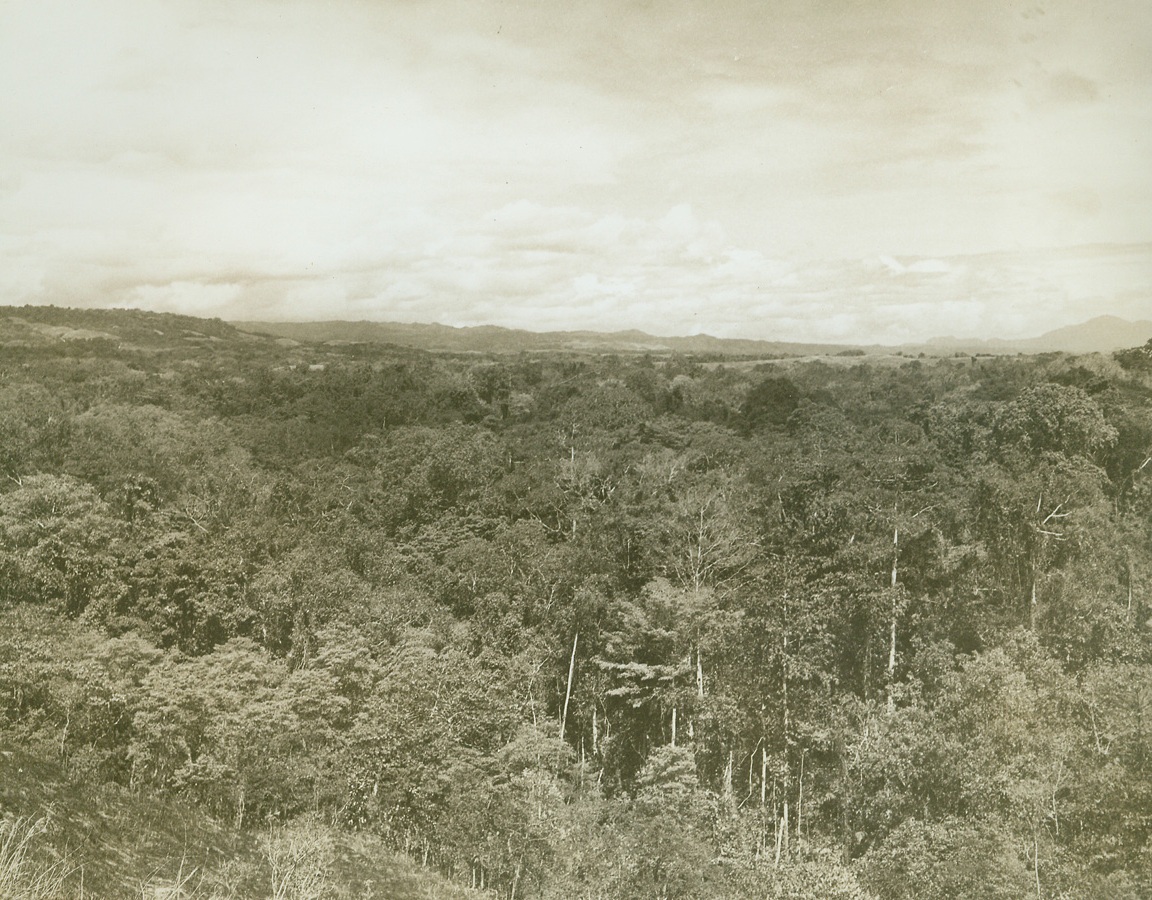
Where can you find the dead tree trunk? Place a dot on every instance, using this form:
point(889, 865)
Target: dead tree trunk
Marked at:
point(568, 691)
point(892, 630)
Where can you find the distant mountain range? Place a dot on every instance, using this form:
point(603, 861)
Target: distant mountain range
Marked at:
point(39, 325)
point(494, 339)
point(1103, 334)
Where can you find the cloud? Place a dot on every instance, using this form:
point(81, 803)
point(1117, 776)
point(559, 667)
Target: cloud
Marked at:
point(555, 266)
point(651, 277)
point(799, 169)
point(192, 298)
point(1068, 87)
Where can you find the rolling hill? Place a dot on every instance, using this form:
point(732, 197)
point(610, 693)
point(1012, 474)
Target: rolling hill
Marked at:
point(1103, 334)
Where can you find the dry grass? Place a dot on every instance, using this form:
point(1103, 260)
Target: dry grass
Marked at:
point(22, 877)
point(83, 842)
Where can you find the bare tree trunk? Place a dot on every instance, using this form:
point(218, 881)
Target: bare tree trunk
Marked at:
point(568, 691)
point(845, 834)
point(784, 677)
point(673, 726)
point(516, 880)
point(895, 553)
point(800, 798)
point(763, 775)
point(784, 829)
point(1034, 565)
point(1129, 582)
point(892, 635)
point(1036, 864)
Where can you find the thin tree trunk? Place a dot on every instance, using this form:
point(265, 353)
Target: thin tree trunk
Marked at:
point(784, 677)
point(673, 726)
point(845, 833)
point(700, 665)
point(784, 829)
point(1036, 864)
point(895, 553)
point(763, 775)
point(568, 691)
point(892, 635)
point(1129, 582)
point(800, 798)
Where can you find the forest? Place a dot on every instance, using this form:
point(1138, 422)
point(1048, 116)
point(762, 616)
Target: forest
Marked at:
point(568, 626)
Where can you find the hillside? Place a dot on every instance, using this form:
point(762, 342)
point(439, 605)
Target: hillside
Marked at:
point(1103, 334)
point(103, 841)
point(492, 339)
point(41, 325)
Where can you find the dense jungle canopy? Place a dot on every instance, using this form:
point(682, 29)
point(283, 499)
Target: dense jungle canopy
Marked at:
point(585, 626)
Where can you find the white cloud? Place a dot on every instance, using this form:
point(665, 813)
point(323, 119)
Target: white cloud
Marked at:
point(192, 298)
point(930, 267)
point(818, 172)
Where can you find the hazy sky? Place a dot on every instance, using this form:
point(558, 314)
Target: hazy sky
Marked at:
point(828, 169)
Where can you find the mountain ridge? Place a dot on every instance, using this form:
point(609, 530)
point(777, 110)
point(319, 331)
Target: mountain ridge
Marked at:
point(48, 324)
point(1102, 334)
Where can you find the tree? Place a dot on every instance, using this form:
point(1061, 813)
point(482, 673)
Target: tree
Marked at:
point(57, 543)
point(1054, 418)
point(1011, 711)
point(1136, 359)
point(770, 402)
point(1032, 520)
point(950, 860)
point(235, 731)
point(34, 428)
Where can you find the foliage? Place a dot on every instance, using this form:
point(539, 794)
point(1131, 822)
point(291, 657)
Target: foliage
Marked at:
point(576, 625)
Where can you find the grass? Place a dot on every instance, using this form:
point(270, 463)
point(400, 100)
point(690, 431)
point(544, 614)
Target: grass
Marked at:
point(22, 876)
point(63, 839)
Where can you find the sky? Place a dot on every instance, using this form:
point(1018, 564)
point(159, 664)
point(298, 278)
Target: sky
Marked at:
point(828, 170)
